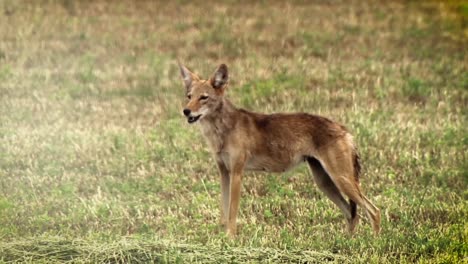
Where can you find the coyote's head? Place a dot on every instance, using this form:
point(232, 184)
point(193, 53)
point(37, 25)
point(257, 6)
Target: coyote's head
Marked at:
point(203, 96)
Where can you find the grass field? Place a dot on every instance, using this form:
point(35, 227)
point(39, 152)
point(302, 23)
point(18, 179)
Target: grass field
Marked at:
point(97, 163)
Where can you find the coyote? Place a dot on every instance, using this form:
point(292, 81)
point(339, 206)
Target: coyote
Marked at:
point(243, 140)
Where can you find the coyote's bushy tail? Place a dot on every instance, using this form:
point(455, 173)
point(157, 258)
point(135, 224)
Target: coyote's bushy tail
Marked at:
point(357, 172)
point(356, 165)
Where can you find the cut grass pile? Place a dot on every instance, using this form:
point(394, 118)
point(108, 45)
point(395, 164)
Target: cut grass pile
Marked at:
point(61, 250)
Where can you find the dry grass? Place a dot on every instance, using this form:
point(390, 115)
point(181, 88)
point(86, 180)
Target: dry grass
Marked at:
point(53, 249)
point(95, 157)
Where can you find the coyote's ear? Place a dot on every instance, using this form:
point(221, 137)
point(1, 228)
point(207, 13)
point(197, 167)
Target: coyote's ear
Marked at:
point(220, 77)
point(187, 76)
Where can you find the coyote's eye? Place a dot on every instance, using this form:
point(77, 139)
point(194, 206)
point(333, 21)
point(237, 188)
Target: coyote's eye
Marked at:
point(189, 96)
point(203, 97)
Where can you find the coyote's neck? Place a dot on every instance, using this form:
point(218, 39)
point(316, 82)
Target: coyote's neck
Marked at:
point(217, 125)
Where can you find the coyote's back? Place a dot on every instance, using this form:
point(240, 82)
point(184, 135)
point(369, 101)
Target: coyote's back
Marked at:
point(278, 142)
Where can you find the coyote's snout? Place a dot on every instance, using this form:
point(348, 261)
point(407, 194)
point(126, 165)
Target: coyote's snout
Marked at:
point(243, 140)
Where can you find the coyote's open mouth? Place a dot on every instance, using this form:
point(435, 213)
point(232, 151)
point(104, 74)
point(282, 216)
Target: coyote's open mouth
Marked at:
point(192, 119)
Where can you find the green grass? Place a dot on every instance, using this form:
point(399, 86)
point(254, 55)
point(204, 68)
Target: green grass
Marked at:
point(97, 163)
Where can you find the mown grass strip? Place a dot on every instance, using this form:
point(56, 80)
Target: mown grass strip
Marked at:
point(52, 249)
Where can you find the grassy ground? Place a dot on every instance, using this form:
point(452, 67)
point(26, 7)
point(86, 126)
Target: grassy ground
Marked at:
point(97, 163)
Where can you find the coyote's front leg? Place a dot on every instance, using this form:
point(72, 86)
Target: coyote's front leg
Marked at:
point(225, 183)
point(236, 170)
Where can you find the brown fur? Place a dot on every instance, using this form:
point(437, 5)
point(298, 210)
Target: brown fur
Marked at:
point(243, 140)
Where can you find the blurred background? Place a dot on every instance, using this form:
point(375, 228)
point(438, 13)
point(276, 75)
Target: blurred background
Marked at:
point(97, 163)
